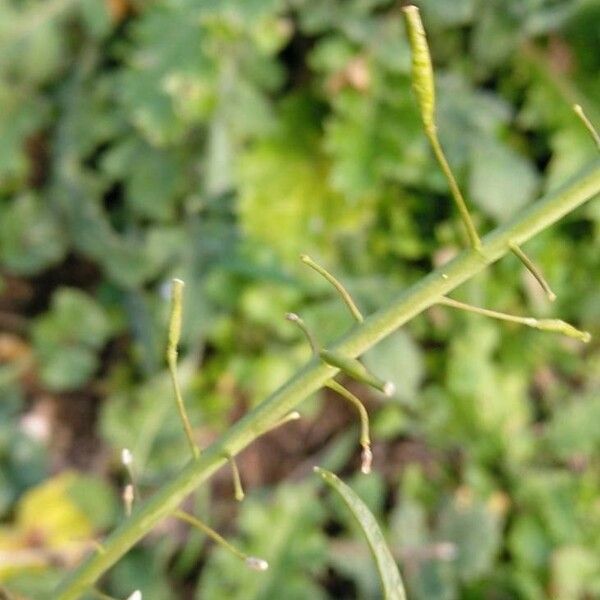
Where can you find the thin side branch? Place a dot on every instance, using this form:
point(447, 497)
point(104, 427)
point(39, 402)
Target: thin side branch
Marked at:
point(346, 297)
point(365, 438)
point(238, 489)
point(257, 564)
point(554, 325)
point(530, 266)
point(588, 124)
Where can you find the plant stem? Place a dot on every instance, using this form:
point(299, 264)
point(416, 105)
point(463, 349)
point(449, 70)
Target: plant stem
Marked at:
point(316, 373)
point(210, 532)
point(344, 293)
point(588, 124)
point(365, 437)
point(238, 489)
point(530, 266)
point(459, 200)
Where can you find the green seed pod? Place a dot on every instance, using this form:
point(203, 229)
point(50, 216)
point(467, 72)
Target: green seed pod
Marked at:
point(422, 71)
point(357, 370)
point(175, 317)
point(559, 326)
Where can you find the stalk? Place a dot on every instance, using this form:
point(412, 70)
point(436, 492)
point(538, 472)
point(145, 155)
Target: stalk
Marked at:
point(316, 373)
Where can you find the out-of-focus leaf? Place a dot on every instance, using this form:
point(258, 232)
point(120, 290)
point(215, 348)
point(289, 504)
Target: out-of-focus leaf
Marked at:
point(575, 573)
point(48, 519)
point(30, 236)
point(285, 201)
point(475, 530)
point(67, 338)
point(398, 359)
point(285, 531)
point(393, 589)
point(501, 181)
point(572, 432)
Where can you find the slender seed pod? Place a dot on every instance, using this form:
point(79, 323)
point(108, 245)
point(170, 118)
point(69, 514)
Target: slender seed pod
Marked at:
point(559, 326)
point(357, 370)
point(173, 341)
point(424, 86)
point(422, 70)
point(175, 318)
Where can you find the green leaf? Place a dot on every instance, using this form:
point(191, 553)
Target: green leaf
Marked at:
point(285, 199)
point(66, 339)
point(388, 570)
point(30, 236)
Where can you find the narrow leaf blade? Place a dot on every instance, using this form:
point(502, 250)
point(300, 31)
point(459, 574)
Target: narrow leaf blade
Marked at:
point(393, 587)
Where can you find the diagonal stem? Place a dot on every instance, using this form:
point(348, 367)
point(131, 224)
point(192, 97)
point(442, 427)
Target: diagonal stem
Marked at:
point(315, 374)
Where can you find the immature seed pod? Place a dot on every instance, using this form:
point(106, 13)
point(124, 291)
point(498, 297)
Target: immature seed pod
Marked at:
point(175, 317)
point(422, 70)
point(559, 326)
point(357, 371)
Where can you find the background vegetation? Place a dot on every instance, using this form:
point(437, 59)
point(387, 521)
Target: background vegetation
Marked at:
point(215, 141)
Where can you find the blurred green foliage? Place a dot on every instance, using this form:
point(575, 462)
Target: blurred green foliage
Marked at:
point(214, 141)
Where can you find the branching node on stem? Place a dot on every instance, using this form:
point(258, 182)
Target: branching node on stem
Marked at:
point(355, 369)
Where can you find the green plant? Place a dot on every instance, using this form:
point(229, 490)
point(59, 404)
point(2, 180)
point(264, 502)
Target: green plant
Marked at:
point(341, 355)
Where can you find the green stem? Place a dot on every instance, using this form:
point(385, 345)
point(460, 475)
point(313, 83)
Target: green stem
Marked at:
point(344, 293)
point(238, 488)
point(210, 532)
point(316, 373)
point(588, 124)
point(459, 200)
point(554, 325)
point(365, 438)
point(530, 266)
